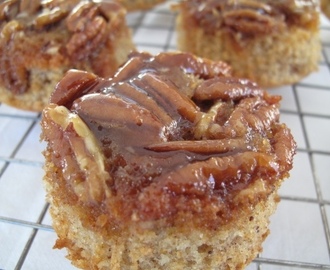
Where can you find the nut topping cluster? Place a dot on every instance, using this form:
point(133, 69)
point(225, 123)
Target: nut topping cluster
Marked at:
point(251, 17)
point(175, 134)
point(89, 23)
point(35, 13)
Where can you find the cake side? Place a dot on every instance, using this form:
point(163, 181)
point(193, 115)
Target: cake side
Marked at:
point(231, 246)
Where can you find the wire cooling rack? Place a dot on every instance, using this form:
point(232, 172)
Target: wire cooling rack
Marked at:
point(299, 238)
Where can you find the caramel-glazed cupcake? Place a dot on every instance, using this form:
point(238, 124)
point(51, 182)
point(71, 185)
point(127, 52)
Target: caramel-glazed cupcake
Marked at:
point(135, 5)
point(170, 164)
point(41, 40)
point(270, 42)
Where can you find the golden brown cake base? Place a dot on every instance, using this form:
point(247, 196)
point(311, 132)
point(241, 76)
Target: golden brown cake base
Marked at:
point(280, 58)
point(135, 5)
point(232, 246)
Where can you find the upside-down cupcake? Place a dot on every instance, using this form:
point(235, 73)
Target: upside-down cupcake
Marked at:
point(170, 164)
point(41, 40)
point(270, 42)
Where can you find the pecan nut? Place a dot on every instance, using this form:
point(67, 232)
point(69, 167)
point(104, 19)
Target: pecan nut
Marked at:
point(107, 8)
point(8, 10)
point(30, 6)
point(10, 29)
point(50, 17)
point(53, 12)
point(89, 31)
point(11, 8)
point(13, 73)
point(251, 17)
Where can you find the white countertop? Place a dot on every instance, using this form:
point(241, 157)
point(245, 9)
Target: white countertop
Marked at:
point(299, 238)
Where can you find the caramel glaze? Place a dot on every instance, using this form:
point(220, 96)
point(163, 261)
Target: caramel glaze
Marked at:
point(179, 137)
point(251, 17)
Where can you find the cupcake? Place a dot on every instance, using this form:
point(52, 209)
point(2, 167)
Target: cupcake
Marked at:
point(270, 42)
point(172, 163)
point(41, 40)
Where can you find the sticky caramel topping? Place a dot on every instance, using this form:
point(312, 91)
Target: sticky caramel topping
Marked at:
point(176, 134)
point(72, 28)
point(252, 17)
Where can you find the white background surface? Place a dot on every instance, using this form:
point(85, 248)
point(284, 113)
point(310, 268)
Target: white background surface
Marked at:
point(299, 236)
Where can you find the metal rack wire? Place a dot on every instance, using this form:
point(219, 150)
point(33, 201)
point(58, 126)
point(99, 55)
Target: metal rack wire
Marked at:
point(300, 231)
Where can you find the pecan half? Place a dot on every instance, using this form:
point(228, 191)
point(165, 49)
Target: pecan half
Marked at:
point(8, 10)
point(89, 30)
point(251, 17)
point(53, 11)
point(48, 17)
point(248, 17)
point(13, 73)
point(88, 155)
point(11, 8)
point(30, 6)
